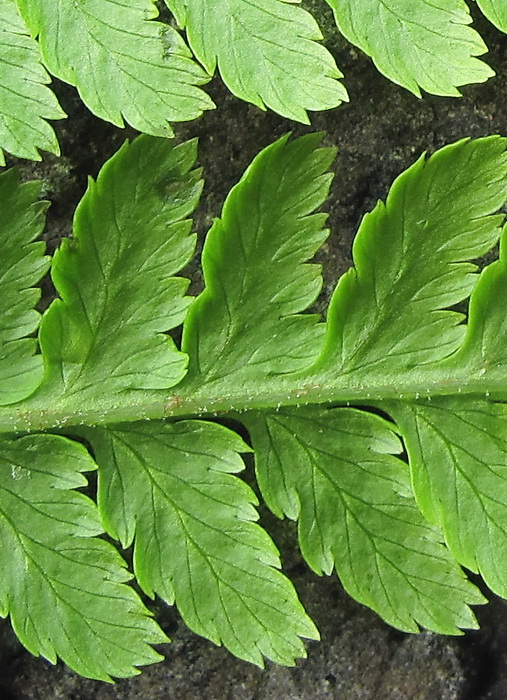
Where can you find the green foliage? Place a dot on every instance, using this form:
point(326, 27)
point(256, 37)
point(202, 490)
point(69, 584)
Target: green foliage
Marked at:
point(26, 101)
point(390, 312)
point(98, 301)
point(419, 44)
point(123, 65)
point(459, 447)
point(22, 264)
point(247, 320)
point(268, 52)
point(60, 584)
point(170, 485)
point(333, 471)
point(496, 11)
point(329, 408)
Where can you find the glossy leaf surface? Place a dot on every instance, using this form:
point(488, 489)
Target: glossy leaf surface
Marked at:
point(116, 276)
point(386, 439)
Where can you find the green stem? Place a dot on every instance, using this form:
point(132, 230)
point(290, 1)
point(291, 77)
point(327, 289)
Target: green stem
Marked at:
point(43, 412)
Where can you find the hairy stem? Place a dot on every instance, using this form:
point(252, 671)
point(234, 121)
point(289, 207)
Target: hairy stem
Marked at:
point(42, 412)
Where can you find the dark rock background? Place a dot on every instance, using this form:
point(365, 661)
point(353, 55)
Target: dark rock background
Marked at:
point(379, 134)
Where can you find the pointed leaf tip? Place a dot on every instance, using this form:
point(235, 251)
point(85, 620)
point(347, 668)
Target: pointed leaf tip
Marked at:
point(116, 278)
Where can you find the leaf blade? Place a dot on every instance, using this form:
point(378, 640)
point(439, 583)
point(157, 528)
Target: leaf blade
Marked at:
point(156, 81)
point(389, 313)
point(425, 45)
point(482, 354)
point(196, 541)
point(457, 456)
point(118, 290)
point(22, 264)
point(333, 471)
point(27, 103)
point(267, 53)
point(247, 322)
point(495, 11)
point(64, 588)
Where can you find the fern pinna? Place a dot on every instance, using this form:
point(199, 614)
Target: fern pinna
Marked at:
point(383, 431)
point(268, 52)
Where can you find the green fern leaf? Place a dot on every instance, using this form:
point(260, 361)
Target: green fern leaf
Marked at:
point(496, 11)
point(395, 532)
point(458, 454)
point(424, 44)
point(130, 236)
point(389, 314)
point(266, 51)
point(334, 472)
point(63, 588)
point(124, 65)
point(22, 264)
point(195, 540)
point(247, 324)
point(25, 100)
point(483, 352)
